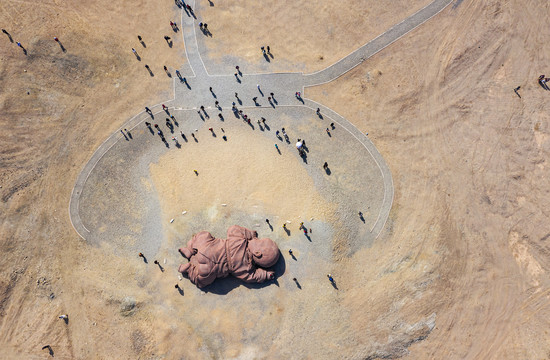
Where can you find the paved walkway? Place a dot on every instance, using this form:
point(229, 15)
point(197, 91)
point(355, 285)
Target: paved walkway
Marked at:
point(194, 92)
point(377, 44)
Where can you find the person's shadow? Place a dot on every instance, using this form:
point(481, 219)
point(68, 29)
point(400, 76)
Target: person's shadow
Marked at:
point(50, 350)
point(159, 265)
point(8, 35)
point(170, 127)
point(225, 285)
point(303, 155)
point(65, 50)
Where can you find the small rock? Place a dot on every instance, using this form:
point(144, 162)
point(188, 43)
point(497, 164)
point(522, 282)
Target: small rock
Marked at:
point(184, 212)
point(224, 204)
point(171, 221)
point(127, 306)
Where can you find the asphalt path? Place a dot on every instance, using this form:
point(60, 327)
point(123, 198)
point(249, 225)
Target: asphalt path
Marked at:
point(193, 92)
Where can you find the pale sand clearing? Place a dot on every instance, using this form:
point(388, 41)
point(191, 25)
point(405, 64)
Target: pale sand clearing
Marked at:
point(246, 173)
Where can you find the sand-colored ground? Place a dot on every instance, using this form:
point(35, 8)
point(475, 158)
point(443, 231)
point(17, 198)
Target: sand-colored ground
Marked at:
point(303, 36)
point(468, 159)
point(221, 164)
point(461, 270)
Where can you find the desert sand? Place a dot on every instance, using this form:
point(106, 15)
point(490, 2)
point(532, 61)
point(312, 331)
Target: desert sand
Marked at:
point(459, 271)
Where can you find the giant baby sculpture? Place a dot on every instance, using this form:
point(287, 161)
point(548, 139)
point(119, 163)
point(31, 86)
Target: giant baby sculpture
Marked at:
point(242, 255)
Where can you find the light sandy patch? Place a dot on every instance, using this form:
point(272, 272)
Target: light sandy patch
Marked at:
point(315, 34)
point(245, 173)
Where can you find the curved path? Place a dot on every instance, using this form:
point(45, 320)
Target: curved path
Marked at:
point(194, 92)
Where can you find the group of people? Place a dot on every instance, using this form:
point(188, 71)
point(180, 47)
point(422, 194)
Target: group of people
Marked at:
point(18, 43)
point(170, 122)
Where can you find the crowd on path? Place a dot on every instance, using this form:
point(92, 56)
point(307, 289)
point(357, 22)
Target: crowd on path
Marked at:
point(280, 134)
point(171, 123)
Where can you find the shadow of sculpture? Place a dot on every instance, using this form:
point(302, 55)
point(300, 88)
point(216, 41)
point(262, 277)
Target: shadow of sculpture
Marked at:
point(227, 284)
